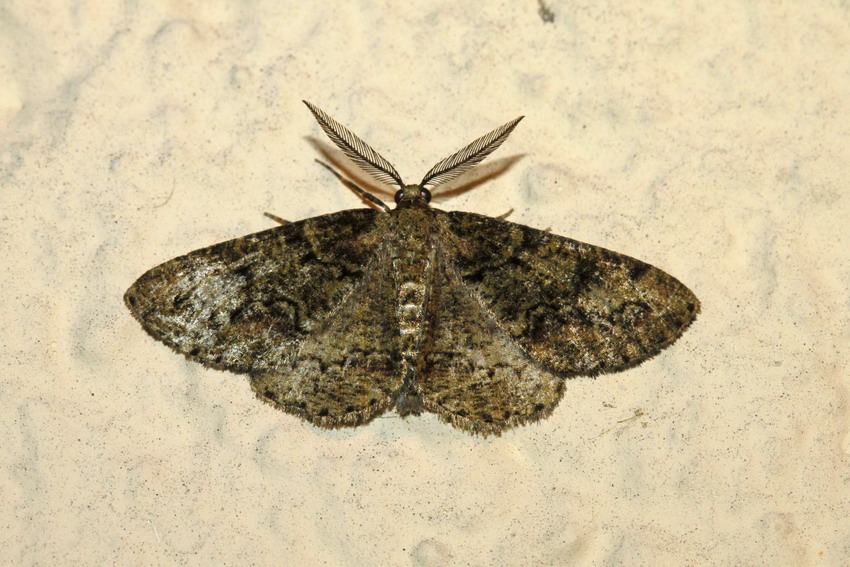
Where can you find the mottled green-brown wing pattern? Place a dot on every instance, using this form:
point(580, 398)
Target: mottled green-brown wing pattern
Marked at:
point(348, 368)
point(577, 309)
point(340, 317)
point(473, 375)
point(246, 305)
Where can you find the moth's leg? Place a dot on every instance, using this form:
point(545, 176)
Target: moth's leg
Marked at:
point(510, 212)
point(503, 216)
point(277, 218)
point(362, 193)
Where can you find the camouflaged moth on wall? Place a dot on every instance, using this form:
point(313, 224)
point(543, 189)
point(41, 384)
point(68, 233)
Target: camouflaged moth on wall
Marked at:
point(341, 317)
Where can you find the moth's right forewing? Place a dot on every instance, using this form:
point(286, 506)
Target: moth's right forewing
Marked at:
point(246, 304)
point(576, 308)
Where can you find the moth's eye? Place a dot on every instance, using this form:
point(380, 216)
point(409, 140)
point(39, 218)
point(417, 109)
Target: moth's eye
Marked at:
point(426, 194)
point(398, 195)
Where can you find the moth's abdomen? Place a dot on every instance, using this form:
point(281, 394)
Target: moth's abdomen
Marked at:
point(411, 303)
point(413, 267)
point(413, 286)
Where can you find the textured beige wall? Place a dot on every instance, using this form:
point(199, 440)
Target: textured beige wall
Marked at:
point(710, 140)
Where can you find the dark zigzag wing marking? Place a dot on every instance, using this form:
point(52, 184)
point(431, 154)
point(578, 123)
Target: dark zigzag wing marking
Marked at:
point(246, 304)
point(576, 308)
point(473, 375)
point(349, 368)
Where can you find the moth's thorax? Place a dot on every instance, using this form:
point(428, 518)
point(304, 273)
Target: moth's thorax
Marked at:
point(412, 252)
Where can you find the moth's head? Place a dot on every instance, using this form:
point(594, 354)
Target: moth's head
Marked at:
point(412, 195)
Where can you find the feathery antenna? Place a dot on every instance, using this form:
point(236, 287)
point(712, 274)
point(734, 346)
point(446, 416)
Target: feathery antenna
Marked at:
point(356, 149)
point(465, 159)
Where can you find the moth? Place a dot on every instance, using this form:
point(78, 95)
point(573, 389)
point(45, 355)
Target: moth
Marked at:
point(342, 317)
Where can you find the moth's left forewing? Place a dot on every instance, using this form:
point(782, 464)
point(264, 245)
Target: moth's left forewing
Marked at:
point(577, 309)
point(246, 304)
